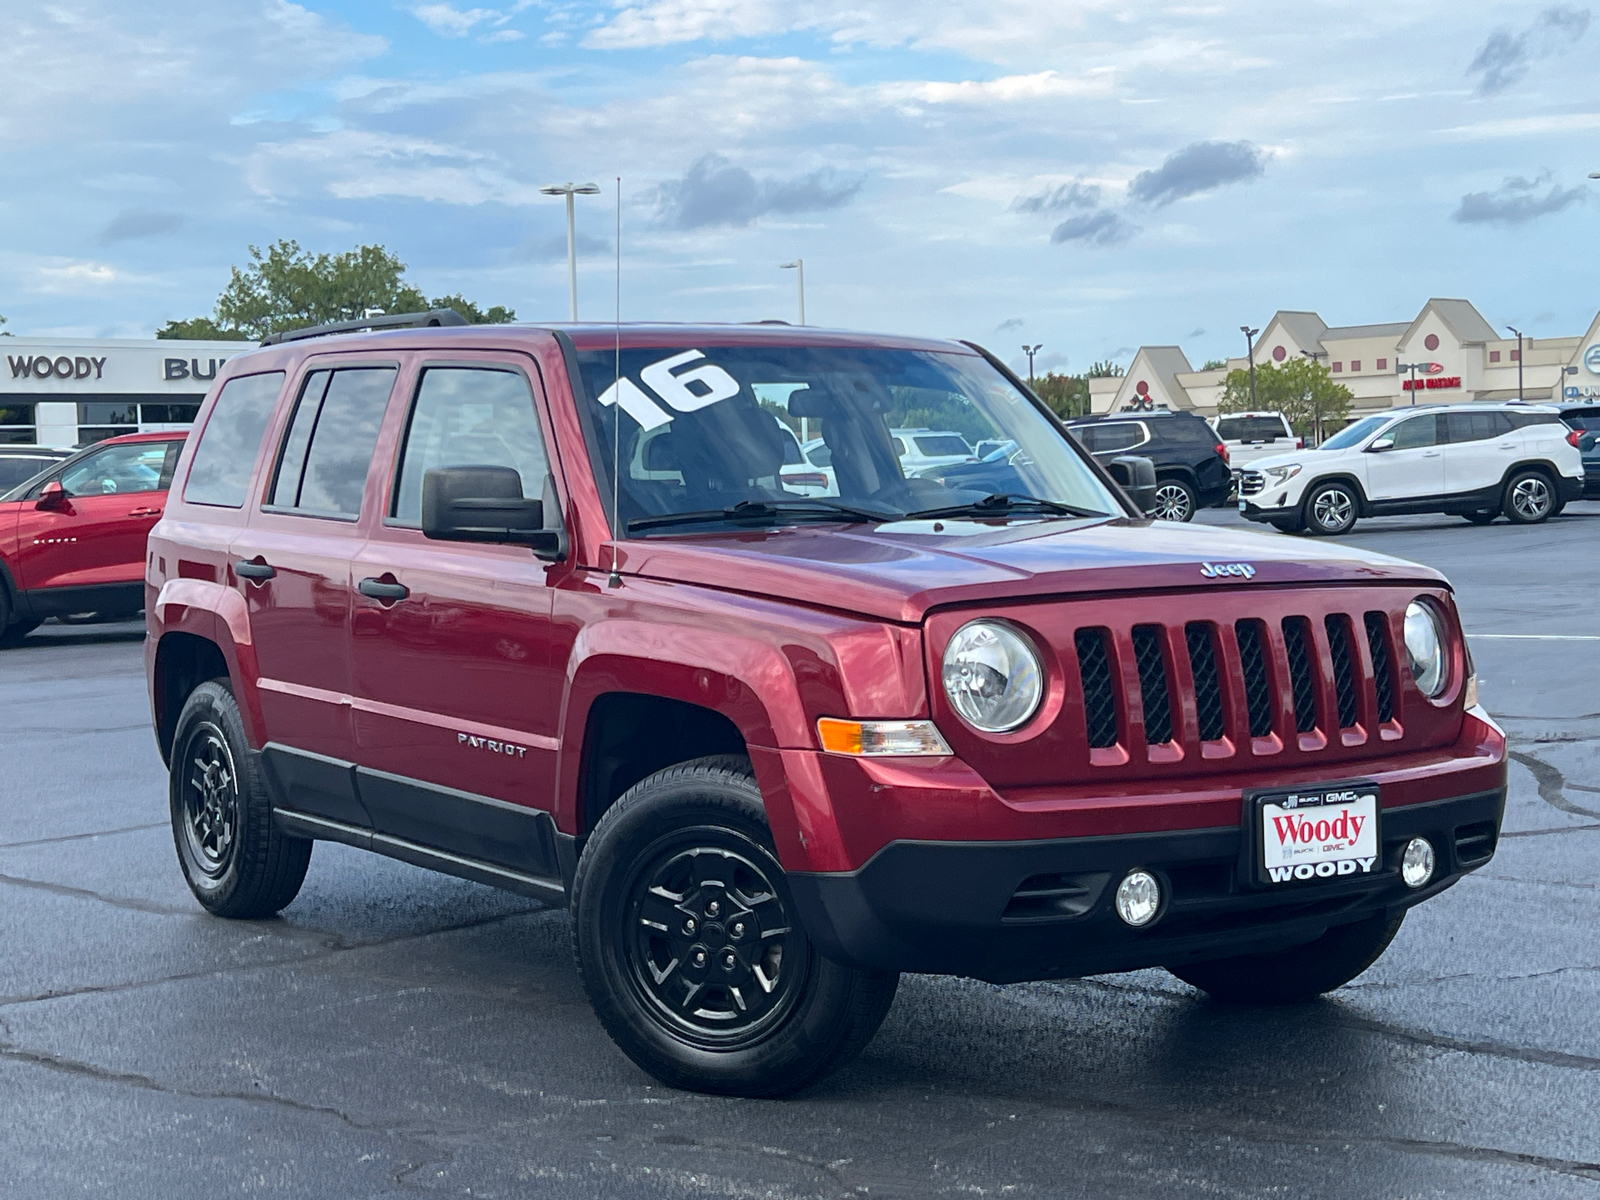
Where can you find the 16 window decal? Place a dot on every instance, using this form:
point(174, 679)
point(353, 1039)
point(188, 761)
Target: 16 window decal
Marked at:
point(674, 389)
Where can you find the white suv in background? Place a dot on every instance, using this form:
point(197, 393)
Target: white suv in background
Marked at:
point(1253, 435)
point(1480, 461)
point(919, 449)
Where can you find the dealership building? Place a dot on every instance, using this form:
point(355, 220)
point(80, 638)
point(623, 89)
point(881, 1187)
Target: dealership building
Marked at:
point(1458, 357)
point(68, 391)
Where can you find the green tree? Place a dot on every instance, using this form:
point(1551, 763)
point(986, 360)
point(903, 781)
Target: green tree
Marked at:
point(201, 329)
point(1302, 390)
point(1214, 364)
point(1067, 395)
point(3, 333)
point(290, 288)
point(1105, 370)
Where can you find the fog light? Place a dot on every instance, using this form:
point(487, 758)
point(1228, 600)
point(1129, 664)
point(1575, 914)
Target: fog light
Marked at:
point(1416, 864)
point(1138, 898)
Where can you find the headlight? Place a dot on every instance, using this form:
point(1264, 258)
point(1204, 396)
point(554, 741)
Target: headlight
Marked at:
point(1425, 648)
point(1280, 475)
point(992, 676)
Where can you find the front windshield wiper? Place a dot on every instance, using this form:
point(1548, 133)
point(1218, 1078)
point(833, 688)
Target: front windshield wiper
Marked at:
point(763, 512)
point(1002, 504)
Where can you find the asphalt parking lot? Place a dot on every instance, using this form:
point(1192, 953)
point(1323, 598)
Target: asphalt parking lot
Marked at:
point(397, 1032)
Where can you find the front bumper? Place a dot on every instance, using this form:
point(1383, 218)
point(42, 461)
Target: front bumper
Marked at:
point(1012, 911)
point(1251, 511)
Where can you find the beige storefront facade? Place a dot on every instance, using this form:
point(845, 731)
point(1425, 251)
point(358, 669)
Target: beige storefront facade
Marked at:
point(1461, 357)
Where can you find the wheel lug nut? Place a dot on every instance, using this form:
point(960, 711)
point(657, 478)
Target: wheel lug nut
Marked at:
point(713, 909)
point(690, 925)
point(729, 961)
point(699, 958)
point(738, 929)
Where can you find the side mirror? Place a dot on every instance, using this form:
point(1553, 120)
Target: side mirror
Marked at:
point(1379, 446)
point(52, 497)
point(1137, 477)
point(486, 504)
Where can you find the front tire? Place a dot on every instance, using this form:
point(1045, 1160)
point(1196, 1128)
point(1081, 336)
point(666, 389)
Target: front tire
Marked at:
point(1175, 500)
point(1331, 509)
point(1297, 975)
point(1530, 499)
point(690, 948)
point(237, 862)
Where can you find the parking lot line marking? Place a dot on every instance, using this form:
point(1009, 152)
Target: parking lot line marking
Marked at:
point(1535, 637)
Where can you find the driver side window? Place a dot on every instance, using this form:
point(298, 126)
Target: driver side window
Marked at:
point(1416, 433)
point(117, 470)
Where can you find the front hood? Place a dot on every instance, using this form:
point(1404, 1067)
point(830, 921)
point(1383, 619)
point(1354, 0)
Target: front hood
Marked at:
point(899, 571)
point(1304, 457)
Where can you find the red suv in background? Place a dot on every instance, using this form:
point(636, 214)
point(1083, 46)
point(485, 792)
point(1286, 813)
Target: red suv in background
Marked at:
point(72, 541)
point(534, 607)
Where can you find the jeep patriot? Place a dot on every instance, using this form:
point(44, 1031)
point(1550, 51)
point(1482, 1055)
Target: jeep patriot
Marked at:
point(531, 605)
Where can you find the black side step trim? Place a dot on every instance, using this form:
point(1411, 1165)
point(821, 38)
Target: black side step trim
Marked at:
point(304, 825)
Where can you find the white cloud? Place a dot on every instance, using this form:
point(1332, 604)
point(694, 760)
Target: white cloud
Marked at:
point(363, 165)
point(1043, 85)
point(448, 21)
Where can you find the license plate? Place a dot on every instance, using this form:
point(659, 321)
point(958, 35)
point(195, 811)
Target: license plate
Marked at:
point(1325, 832)
point(1242, 503)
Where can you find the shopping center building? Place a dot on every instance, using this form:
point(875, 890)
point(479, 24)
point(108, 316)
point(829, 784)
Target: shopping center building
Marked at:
point(1459, 356)
point(67, 392)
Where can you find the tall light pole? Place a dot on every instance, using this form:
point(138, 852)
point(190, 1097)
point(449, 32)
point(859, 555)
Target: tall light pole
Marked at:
point(798, 265)
point(1413, 368)
point(1518, 332)
point(1030, 351)
point(1250, 352)
point(569, 190)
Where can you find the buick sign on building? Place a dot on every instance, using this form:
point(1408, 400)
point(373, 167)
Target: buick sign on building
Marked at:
point(68, 391)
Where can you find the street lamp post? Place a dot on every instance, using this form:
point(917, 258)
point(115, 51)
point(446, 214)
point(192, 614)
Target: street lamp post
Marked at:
point(1030, 351)
point(1518, 332)
point(1250, 351)
point(799, 267)
point(569, 190)
point(1413, 368)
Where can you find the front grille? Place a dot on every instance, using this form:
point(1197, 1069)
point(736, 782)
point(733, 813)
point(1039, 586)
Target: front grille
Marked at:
point(1295, 637)
point(1344, 676)
point(1207, 684)
point(1153, 684)
point(1099, 701)
point(1256, 685)
point(1382, 672)
point(1253, 658)
point(1251, 482)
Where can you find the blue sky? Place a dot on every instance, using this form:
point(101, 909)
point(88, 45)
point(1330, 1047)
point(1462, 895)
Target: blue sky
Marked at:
point(1088, 176)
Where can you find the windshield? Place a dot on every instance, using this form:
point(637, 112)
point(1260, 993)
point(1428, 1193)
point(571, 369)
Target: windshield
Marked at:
point(1352, 435)
point(705, 429)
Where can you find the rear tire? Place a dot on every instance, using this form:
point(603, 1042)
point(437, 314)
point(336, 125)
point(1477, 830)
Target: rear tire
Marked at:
point(237, 862)
point(1331, 509)
point(690, 948)
point(1297, 975)
point(1530, 498)
point(1175, 500)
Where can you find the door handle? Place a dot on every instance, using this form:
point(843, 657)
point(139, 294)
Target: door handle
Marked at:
point(379, 590)
point(145, 512)
point(254, 570)
point(1432, 454)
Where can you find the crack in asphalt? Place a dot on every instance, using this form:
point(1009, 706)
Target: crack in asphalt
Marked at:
point(78, 837)
point(331, 944)
point(76, 893)
point(1552, 784)
point(1546, 832)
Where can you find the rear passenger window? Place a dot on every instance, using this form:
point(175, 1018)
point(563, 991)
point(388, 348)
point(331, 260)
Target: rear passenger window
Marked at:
point(322, 467)
point(469, 417)
point(1119, 435)
point(220, 473)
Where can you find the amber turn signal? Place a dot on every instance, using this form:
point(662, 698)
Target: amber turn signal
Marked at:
point(881, 739)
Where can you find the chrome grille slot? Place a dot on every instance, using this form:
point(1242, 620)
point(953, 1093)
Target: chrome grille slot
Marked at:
point(1153, 684)
point(1251, 482)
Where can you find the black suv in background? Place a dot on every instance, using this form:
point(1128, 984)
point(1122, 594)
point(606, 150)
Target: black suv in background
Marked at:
point(1191, 464)
point(1585, 418)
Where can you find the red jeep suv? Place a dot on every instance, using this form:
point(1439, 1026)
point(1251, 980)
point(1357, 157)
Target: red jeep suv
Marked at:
point(72, 540)
point(533, 606)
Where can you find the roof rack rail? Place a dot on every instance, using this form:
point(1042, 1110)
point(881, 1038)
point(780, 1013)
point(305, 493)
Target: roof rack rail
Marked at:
point(439, 316)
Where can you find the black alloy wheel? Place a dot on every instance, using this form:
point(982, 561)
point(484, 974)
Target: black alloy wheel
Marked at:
point(691, 950)
point(236, 860)
point(1331, 509)
point(1530, 498)
point(1174, 500)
